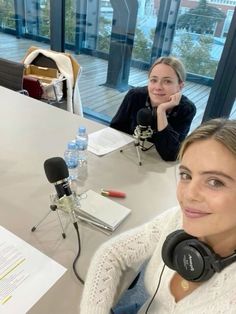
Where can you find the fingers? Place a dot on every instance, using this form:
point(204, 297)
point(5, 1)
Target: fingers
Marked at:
point(173, 101)
point(176, 98)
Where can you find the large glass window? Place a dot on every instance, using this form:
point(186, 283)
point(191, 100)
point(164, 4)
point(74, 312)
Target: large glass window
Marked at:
point(70, 22)
point(145, 28)
point(7, 14)
point(200, 35)
point(44, 18)
point(37, 17)
point(104, 25)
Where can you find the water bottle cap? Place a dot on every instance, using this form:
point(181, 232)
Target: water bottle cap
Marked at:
point(82, 129)
point(71, 145)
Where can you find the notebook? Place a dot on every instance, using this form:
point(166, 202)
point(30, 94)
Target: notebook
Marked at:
point(102, 211)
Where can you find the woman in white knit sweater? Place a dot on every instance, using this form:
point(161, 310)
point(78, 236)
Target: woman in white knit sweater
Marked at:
point(193, 270)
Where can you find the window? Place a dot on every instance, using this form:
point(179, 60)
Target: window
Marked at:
point(7, 14)
point(197, 39)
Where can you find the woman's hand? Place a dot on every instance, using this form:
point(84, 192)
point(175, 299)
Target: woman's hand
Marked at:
point(163, 108)
point(173, 102)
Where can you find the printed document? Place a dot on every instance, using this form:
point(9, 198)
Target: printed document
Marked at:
point(25, 274)
point(107, 140)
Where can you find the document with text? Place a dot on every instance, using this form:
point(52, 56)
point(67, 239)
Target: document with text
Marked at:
point(107, 140)
point(25, 274)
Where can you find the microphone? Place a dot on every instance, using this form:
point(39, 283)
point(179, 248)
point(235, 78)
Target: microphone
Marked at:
point(144, 117)
point(143, 129)
point(57, 173)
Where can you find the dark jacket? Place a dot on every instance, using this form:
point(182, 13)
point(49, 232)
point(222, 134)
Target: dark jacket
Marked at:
point(167, 141)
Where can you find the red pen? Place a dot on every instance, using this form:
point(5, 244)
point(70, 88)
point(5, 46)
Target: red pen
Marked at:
point(113, 193)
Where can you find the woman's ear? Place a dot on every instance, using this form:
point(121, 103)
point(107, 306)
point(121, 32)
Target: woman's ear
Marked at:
point(181, 85)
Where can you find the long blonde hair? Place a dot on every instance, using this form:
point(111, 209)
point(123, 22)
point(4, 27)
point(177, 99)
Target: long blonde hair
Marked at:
point(221, 130)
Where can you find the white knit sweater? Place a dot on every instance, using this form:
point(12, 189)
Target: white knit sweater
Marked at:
point(129, 251)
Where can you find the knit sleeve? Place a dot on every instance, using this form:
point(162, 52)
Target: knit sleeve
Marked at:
point(126, 251)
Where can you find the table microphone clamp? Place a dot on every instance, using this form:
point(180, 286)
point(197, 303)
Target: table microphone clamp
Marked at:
point(143, 131)
point(141, 134)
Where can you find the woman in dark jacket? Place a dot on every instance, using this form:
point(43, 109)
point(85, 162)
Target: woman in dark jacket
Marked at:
point(172, 112)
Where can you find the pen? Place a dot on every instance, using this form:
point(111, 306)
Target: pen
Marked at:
point(113, 193)
point(98, 224)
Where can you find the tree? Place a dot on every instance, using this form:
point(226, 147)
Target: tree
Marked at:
point(70, 21)
point(196, 54)
point(104, 35)
point(7, 14)
point(201, 19)
point(44, 20)
point(141, 49)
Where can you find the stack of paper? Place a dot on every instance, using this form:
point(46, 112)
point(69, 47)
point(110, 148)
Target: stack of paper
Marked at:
point(107, 140)
point(26, 274)
point(101, 211)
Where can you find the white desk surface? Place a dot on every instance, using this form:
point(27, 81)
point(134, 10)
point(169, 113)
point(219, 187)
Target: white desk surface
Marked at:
point(32, 131)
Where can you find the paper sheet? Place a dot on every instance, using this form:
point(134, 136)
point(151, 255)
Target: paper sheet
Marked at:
point(25, 274)
point(107, 140)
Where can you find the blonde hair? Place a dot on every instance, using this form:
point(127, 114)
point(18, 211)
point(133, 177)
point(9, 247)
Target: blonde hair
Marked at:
point(221, 130)
point(174, 63)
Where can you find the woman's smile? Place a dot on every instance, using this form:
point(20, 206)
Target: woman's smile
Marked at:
point(194, 213)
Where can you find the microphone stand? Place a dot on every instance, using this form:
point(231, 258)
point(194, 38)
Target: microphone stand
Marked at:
point(58, 204)
point(141, 134)
point(54, 207)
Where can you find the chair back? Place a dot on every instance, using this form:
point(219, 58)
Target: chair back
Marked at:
point(44, 61)
point(11, 74)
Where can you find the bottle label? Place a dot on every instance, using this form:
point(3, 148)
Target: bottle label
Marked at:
point(72, 163)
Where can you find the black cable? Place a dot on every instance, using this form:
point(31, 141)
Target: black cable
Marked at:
point(158, 285)
point(144, 149)
point(78, 254)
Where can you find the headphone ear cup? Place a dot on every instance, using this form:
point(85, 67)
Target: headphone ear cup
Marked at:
point(193, 260)
point(168, 248)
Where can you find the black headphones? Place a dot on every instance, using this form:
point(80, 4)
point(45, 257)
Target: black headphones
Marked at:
point(192, 259)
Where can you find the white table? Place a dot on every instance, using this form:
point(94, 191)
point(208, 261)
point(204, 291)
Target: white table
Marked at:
point(32, 131)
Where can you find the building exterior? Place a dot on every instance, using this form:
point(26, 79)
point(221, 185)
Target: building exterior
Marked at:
point(227, 7)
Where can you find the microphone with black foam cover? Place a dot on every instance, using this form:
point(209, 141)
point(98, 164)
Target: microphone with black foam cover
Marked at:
point(57, 173)
point(144, 118)
point(143, 129)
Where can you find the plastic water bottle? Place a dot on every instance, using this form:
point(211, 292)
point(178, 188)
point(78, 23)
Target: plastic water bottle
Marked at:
point(82, 159)
point(82, 136)
point(82, 148)
point(71, 159)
